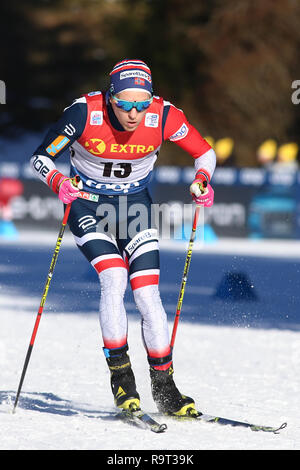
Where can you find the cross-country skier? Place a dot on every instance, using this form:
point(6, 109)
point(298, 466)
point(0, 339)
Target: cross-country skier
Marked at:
point(114, 138)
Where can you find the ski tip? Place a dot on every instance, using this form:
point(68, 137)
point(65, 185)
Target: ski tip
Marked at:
point(159, 428)
point(284, 425)
point(268, 428)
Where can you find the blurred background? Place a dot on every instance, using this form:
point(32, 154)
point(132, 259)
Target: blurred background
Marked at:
point(231, 66)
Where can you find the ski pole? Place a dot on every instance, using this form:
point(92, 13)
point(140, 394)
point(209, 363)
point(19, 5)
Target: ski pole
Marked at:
point(44, 296)
point(185, 275)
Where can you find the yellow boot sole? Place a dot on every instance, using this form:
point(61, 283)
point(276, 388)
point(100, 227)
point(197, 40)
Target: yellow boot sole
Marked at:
point(130, 404)
point(187, 410)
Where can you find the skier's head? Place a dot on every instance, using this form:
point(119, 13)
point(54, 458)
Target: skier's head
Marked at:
point(130, 92)
point(130, 75)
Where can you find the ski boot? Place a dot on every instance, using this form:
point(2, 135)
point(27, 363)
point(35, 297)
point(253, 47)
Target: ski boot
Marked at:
point(166, 395)
point(122, 379)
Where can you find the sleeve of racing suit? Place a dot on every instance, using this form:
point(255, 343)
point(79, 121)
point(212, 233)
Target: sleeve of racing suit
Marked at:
point(59, 137)
point(177, 129)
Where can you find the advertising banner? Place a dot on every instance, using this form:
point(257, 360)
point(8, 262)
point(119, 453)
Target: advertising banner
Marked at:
point(249, 202)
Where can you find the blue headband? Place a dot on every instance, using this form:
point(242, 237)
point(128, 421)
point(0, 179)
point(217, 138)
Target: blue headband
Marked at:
point(130, 74)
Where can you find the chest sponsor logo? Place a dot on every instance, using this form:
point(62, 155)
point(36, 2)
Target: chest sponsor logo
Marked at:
point(57, 145)
point(131, 148)
point(98, 147)
point(96, 118)
point(180, 134)
point(151, 120)
point(95, 146)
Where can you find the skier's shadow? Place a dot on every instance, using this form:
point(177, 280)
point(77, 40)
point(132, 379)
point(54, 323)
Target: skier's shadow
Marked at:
point(45, 402)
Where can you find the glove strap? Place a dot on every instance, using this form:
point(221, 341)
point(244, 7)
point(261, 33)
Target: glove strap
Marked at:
point(54, 180)
point(201, 174)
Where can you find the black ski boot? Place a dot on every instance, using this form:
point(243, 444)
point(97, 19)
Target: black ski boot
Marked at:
point(122, 378)
point(166, 395)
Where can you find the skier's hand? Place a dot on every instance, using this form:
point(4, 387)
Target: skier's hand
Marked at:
point(202, 192)
point(68, 192)
point(66, 188)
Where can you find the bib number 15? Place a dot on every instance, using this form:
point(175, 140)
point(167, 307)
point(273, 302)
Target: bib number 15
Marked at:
point(118, 170)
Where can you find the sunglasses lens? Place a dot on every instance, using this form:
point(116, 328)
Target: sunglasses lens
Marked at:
point(147, 103)
point(143, 105)
point(139, 106)
point(128, 105)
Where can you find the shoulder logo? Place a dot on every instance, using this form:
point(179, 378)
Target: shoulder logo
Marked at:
point(57, 145)
point(96, 118)
point(180, 134)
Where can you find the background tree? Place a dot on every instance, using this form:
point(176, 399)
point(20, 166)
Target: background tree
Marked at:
point(228, 64)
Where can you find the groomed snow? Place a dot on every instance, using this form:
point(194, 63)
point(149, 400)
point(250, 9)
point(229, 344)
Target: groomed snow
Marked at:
point(249, 374)
point(66, 402)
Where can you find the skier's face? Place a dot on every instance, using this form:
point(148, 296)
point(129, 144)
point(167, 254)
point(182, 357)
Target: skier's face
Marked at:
point(130, 120)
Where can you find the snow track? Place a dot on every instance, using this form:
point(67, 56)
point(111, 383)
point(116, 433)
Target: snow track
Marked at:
point(249, 373)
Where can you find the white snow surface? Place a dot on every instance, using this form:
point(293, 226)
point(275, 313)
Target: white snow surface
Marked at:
point(66, 402)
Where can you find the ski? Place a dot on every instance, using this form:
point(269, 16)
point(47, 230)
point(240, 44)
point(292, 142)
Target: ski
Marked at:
point(139, 417)
point(198, 416)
